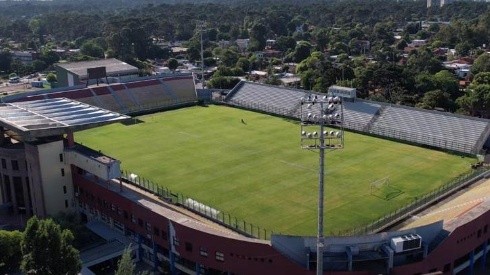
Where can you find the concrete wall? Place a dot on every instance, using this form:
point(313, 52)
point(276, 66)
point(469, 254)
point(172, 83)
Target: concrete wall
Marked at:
point(56, 178)
point(51, 185)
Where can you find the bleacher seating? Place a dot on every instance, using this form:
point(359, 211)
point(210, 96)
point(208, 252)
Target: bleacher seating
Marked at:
point(267, 98)
point(282, 101)
point(179, 88)
point(441, 130)
point(358, 114)
point(431, 128)
point(109, 102)
point(124, 96)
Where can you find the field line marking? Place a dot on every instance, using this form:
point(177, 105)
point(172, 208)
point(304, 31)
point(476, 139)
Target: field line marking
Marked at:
point(297, 165)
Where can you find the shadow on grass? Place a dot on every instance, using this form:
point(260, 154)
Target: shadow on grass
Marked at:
point(132, 121)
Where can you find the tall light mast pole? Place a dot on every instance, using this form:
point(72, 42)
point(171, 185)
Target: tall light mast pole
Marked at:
point(321, 128)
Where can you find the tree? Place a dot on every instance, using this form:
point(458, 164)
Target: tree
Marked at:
point(125, 266)
point(481, 64)
point(257, 37)
point(91, 49)
point(223, 82)
point(173, 64)
point(243, 64)
point(285, 43)
point(436, 98)
point(302, 51)
point(49, 57)
point(229, 57)
point(51, 78)
point(447, 82)
point(5, 60)
point(481, 78)
point(47, 249)
point(11, 255)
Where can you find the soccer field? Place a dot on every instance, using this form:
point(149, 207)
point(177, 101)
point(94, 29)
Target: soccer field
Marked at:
point(256, 170)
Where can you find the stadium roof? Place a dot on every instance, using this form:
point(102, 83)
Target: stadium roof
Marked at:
point(113, 67)
point(51, 117)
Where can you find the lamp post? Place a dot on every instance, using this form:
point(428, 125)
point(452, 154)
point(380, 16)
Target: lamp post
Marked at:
point(321, 129)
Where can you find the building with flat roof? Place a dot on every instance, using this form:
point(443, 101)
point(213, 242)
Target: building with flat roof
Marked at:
point(75, 73)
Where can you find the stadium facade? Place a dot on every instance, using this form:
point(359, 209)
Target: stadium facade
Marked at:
point(44, 171)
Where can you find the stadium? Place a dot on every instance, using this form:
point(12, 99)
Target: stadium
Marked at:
point(214, 182)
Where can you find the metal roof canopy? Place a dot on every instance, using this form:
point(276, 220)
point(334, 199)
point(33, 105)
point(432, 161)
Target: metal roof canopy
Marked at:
point(51, 117)
point(113, 67)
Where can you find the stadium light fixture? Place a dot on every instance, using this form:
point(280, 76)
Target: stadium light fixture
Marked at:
point(322, 129)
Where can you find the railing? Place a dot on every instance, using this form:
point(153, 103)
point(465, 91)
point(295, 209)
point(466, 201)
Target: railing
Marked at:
point(414, 206)
point(224, 218)
point(232, 222)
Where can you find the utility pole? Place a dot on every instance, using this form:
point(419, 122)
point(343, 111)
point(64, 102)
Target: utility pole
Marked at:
point(200, 27)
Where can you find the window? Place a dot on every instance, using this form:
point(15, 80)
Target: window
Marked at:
point(485, 229)
point(62, 172)
point(479, 233)
point(140, 222)
point(15, 164)
point(164, 235)
point(64, 189)
point(133, 218)
point(203, 252)
point(220, 257)
point(66, 203)
point(188, 247)
point(4, 164)
point(61, 157)
point(176, 242)
point(148, 226)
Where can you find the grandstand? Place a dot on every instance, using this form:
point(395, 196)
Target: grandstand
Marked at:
point(129, 97)
point(445, 131)
point(442, 130)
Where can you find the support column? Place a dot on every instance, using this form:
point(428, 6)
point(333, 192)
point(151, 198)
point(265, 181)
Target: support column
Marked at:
point(172, 262)
point(13, 197)
point(27, 198)
point(155, 256)
point(197, 268)
point(391, 255)
point(70, 139)
point(472, 261)
point(425, 246)
point(3, 196)
point(484, 256)
point(349, 258)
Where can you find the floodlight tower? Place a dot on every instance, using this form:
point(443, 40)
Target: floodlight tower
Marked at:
point(321, 128)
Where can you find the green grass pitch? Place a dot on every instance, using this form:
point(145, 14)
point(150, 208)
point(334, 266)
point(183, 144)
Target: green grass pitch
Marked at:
point(257, 171)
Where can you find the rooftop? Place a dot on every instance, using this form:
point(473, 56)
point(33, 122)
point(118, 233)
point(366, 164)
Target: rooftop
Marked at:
point(51, 117)
point(113, 66)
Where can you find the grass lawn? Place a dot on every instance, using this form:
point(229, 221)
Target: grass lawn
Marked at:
point(257, 171)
